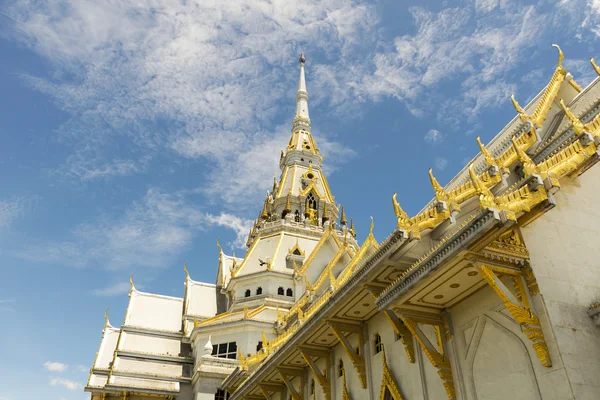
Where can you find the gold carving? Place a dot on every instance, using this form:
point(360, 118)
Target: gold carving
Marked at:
point(576, 123)
point(489, 158)
point(521, 310)
point(596, 68)
point(519, 109)
point(388, 383)
point(403, 220)
point(486, 197)
point(340, 331)
point(403, 332)
point(529, 166)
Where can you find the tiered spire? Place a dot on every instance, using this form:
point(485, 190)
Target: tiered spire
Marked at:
point(301, 119)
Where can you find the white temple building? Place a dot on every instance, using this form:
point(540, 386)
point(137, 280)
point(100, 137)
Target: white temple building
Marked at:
point(490, 292)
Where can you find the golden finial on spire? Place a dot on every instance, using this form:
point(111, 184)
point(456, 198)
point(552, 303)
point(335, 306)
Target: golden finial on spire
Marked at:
point(519, 109)
point(486, 197)
point(106, 321)
point(352, 231)
point(343, 220)
point(440, 193)
point(529, 167)
point(596, 67)
point(187, 274)
point(403, 220)
point(489, 158)
point(219, 246)
point(371, 227)
point(578, 126)
point(288, 203)
point(561, 56)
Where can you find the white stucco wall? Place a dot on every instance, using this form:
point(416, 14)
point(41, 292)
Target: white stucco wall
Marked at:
point(565, 257)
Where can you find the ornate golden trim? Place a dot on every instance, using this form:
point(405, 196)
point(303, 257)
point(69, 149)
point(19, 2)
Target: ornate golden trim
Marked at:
point(388, 382)
point(520, 307)
point(308, 355)
point(340, 330)
point(405, 335)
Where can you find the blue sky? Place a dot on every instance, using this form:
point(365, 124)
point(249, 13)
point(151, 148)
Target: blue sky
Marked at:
point(132, 134)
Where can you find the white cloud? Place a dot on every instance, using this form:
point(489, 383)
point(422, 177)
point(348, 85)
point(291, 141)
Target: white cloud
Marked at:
point(194, 79)
point(149, 233)
point(441, 163)
point(115, 289)
point(55, 366)
point(66, 383)
point(9, 211)
point(434, 136)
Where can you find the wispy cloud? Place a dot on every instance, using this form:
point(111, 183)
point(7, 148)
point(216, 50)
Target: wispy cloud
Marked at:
point(148, 233)
point(55, 366)
point(441, 163)
point(6, 305)
point(9, 211)
point(198, 81)
point(115, 289)
point(66, 383)
point(434, 136)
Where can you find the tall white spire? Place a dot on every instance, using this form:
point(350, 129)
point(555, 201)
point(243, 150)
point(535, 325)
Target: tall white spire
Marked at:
point(301, 119)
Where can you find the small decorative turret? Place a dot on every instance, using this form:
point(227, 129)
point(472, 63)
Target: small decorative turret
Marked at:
point(352, 231)
point(288, 204)
point(265, 214)
point(208, 347)
point(325, 217)
point(343, 220)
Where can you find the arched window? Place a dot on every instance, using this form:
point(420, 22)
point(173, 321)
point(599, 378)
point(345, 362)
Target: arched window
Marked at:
point(248, 293)
point(280, 291)
point(341, 368)
point(289, 293)
point(377, 343)
point(258, 291)
point(312, 387)
point(296, 216)
point(311, 201)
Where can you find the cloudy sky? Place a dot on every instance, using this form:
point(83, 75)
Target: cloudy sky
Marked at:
point(133, 133)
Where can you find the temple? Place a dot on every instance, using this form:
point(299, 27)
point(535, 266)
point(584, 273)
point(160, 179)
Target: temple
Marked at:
point(490, 292)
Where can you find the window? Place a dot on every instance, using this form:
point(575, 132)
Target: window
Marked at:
point(280, 291)
point(378, 344)
point(289, 293)
point(341, 368)
point(259, 346)
point(312, 387)
point(248, 293)
point(310, 200)
point(258, 291)
point(221, 395)
point(225, 350)
point(297, 252)
point(296, 216)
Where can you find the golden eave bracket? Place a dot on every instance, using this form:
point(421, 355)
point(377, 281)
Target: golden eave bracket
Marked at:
point(287, 374)
point(437, 358)
point(405, 335)
point(309, 356)
point(340, 330)
point(519, 306)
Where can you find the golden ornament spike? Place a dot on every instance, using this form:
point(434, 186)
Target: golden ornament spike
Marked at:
point(577, 124)
point(325, 213)
point(403, 220)
point(187, 274)
point(440, 193)
point(596, 67)
point(343, 220)
point(288, 204)
point(371, 227)
point(219, 246)
point(106, 321)
point(529, 166)
point(519, 109)
point(561, 56)
point(265, 214)
point(352, 231)
point(486, 197)
point(307, 284)
point(489, 158)
point(131, 282)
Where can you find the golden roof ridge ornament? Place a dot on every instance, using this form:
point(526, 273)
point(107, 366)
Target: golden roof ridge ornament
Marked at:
point(529, 167)
point(486, 197)
point(440, 193)
point(106, 321)
point(187, 274)
point(403, 219)
point(578, 126)
point(561, 57)
point(131, 283)
point(371, 227)
point(352, 231)
point(522, 115)
point(596, 67)
point(343, 220)
point(489, 158)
